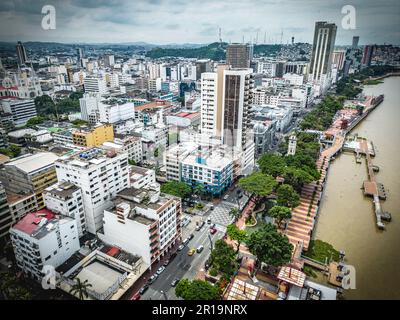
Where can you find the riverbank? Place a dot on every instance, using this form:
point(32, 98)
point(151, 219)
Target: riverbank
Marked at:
point(346, 218)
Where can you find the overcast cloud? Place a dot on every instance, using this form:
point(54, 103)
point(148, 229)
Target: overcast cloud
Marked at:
point(188, 21)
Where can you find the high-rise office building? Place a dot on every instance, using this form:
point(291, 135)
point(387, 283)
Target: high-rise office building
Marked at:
point(21, 53)
point(323, 45)
point(367, 55)
point(239, 55)
point(226, 96)
point(354, 45)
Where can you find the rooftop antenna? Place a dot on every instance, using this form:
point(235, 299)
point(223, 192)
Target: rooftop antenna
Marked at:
point(220, 37)
point(265, 37)
point(281, 35)
point(243, 39)
point(257, 37)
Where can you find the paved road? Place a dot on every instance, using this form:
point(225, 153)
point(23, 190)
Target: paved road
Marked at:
point(183, 266)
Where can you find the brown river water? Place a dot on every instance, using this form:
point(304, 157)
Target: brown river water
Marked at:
point(346, 218)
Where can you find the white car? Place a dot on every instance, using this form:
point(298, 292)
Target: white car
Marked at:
point(160, 270)
point(226, 197)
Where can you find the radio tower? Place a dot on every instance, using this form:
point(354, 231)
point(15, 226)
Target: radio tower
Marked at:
point(265, 37)
point(281, 36)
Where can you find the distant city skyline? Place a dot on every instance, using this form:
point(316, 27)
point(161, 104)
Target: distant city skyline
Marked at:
point(168, 21)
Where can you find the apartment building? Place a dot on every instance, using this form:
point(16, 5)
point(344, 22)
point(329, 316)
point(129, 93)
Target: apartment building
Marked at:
point(93, 136)
point(130, 145)
point(30, 173)
point(41, 238)
point(174, 156)
point(100, 174)
point(143, 222)
point(210, 169)
point(66, 200)
point(21, 110)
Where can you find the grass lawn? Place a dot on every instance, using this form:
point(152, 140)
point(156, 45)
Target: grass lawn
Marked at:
point(321, 251)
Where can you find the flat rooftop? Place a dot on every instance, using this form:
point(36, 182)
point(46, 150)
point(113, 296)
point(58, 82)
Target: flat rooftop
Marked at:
point(32, 162)
point(62, 190)
point(99, 275)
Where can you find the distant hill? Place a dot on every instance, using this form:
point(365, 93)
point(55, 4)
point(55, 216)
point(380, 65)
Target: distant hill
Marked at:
point(214, 51)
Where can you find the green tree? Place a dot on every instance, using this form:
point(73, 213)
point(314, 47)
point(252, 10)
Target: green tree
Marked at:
point(280, 213)
point(258, 184)
point(286, 196)
point(35, 121)
point(80, 288)
point(45, 105)
point(156, 152)
point(199, 190)
point(269, 246)
point(79, 122)
point(196, 290)
point(176, 188)
point(12, 151)
point(297, 177)
point(235, 213)
point(272, 164)
point(223, 258)
point(236, 234)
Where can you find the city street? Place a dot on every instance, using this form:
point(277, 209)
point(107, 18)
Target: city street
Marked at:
point(183, 266)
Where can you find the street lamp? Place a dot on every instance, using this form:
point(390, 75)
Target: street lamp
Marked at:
point(211, 243)
point(164, 294)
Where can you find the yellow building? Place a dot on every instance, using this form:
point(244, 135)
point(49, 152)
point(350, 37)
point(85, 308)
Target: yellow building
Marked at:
point(93, 136)
point(31, 173)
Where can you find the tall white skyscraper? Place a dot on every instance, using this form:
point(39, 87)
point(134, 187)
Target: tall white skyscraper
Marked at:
point(323, 45)
point(225, 106)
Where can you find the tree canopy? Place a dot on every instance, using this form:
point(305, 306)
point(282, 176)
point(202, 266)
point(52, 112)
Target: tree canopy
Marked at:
point(269, 246)
point(236, 234)
point(196, 290)
point(258, 184)
point(12, 151)
point(271, 164)
point(286, 196)
point(223, 258)
point(176, 188)
point(280, 213)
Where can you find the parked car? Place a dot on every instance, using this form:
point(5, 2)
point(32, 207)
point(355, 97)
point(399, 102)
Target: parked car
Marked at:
point(208, 220)
point(160, 270)
point(212, 207)
point(174, 282)
point(180, 248)
point(166, 262)
point(191, 252)
point(191, 236)
point(186, 241)
point(200, 248)
point(199, 226)
point(144, 289)
point(136, 296)
point(226, 197)
point(153, 278)
point(213, 230)
point(212, 226)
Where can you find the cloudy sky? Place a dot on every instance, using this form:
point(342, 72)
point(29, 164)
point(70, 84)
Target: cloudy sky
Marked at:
point(196, 21)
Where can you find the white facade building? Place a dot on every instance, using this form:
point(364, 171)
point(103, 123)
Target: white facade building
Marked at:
point(66, 199)
point(143, 222)
point(40, 239)
point(100, 174)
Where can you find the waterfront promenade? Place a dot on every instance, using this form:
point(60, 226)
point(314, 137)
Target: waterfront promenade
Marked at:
point(301, 225)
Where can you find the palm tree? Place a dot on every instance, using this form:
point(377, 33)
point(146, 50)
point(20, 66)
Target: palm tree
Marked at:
point(235, 213)
point(199, 190)
point(80, 288)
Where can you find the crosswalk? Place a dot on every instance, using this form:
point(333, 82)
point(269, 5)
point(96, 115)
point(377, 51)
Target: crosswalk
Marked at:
point(220, 214)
